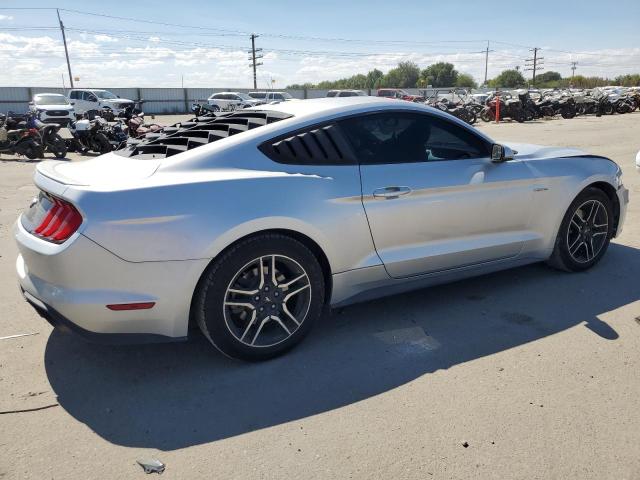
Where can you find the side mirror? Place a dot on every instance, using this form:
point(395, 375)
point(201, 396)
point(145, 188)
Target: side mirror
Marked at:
point(73, 103)
point(31, 103)
point(501, 153)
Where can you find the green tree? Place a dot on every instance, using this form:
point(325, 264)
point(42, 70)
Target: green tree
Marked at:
point(300, 86)
point(405, 75)
point(466, 80)
point(508, 79)
point(374, 78)
point(549, 76)
point(632, 80)
point(440, 74)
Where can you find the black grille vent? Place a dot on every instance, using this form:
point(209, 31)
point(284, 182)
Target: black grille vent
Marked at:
point(200, 131)
point(320, 146)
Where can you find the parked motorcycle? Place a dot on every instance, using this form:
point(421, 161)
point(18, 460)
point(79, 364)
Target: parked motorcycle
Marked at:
point(457, 110)
point(509, 108)
point(89, 135)
point(49, 136)
point(19, 140)
point(116, 133)
point(134, 119)
point(203, 110)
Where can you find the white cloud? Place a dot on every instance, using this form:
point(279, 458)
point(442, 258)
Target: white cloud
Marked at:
point(104, 39)
point(6, 17)
point(99, 60)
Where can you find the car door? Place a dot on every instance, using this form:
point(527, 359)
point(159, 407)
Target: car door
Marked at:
point(90, 101)
point(236, 101)
point(79, 103)
point(434, 199)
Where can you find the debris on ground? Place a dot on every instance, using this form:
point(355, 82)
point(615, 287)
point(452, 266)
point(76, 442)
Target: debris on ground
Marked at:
point(638, 320)
point(19, 335)
point(5, 412)
point(151, 465)
point(465, 444)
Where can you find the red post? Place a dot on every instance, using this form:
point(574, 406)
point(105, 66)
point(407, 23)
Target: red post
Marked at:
point(497, 108)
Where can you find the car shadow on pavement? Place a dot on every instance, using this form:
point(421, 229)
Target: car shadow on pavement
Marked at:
point(176, 395)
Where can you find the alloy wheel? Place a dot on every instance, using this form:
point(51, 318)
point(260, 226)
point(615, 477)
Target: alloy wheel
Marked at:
point(588, 231)
point(267, 301)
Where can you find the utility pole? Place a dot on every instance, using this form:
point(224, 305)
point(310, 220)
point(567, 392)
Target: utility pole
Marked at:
point(66, 52)
point(486, 62)
point(256, 54)
point(573, 69)
point(534, 64)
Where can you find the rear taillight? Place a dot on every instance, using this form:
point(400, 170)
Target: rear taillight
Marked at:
point(60, 222)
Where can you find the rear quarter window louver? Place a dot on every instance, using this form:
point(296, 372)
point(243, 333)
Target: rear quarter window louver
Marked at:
point(187, 135)
point(319, 146)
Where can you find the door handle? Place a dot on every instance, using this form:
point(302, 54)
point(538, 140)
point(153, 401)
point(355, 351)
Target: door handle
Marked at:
point(391, 192)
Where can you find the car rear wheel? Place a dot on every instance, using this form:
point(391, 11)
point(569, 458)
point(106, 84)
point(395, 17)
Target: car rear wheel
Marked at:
point(585, 232)
point(260, 298)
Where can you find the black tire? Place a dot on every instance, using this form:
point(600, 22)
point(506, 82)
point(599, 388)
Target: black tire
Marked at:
point(568, 112)
point(519, 116)
point(215, 108)
point(212, 315)
point(57, 146)
point(473, 118)
point(561, 257)
point(487, 115)
point(30, 149)
point(101, 144)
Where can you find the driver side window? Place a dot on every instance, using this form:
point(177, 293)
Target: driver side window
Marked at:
point(404, 137)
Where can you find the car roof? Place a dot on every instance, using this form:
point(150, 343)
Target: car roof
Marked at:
point(324, 108)
point(88, 90)
point(47, 93)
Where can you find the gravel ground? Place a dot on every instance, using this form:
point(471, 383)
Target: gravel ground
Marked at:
point(523, 374)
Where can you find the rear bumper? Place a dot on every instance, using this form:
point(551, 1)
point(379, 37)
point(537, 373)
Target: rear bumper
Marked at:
point(57, 320)
point(71, 284)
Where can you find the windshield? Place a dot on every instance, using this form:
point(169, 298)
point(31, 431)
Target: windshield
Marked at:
point(104, 94)
point(244, 96)
point(50, 100)
point(287, 95)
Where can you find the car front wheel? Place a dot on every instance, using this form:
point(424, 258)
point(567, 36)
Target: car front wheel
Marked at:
point(585, 232)
point(261, 297)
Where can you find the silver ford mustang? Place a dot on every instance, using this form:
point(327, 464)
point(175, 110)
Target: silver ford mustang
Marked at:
point(250, 223)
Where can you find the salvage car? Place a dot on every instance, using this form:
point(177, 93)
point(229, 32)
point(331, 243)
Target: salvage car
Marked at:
point(85, 100)
point(52, 108)
point(229, 101)
point(249, 224)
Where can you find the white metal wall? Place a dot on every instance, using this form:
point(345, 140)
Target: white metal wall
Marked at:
point(157, 100)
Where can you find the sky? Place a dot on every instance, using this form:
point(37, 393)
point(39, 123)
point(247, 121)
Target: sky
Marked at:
point(197, 43)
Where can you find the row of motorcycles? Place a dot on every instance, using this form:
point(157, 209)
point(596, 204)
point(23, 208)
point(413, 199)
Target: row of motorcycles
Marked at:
point(522, 105)
point(27, 136)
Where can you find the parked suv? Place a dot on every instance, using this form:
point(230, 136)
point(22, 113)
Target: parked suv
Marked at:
point(346, 93)
point(52, 108)
point(227, 101)
point(399, 94)
point(84, 100)
point(268, 97)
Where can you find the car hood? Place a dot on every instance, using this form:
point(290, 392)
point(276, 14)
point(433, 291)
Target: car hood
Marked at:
point(61, 106)
point(527, 151)
point(117, 101)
